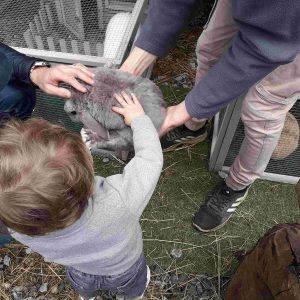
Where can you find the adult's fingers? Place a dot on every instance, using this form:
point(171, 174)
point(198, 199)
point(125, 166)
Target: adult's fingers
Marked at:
point(57, 91)
point(75, 84)
point(84, 69)
point(81, 74)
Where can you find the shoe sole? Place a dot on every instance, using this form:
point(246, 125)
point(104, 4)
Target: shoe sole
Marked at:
point(191, 142)
point(223, 224)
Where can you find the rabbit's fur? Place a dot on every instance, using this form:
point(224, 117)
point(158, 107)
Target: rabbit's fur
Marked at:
point(93, 109)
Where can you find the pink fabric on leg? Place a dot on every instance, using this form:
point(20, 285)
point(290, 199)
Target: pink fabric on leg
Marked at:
point(263, 114)
point(265, 106)
point(213, 41)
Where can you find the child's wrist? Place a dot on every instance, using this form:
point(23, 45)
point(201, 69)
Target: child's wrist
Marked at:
point(137, 117)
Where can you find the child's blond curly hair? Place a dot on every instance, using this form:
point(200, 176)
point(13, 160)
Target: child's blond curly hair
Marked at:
point(46, 176)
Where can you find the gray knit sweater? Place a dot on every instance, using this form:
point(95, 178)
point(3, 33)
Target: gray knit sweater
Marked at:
point(107, 239)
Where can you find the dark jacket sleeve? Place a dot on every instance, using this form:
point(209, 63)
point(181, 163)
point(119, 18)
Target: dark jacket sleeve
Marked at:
point(20, 63)
point(165, 20)
point(5, 71)
point(268, 36)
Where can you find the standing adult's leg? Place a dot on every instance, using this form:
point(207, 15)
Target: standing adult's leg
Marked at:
point(263, 113)
point(215, 38)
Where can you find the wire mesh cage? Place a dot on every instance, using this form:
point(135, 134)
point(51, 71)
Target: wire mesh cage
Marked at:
point(229, 135)
point(92, 32)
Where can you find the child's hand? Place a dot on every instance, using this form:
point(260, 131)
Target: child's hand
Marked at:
point(130, 107)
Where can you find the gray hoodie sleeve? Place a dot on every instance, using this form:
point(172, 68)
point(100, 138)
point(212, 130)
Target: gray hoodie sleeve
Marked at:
point(137, 182)
point(268, 36)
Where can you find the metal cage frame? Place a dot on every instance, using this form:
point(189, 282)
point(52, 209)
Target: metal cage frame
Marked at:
point(51, 107)
point(94, 61)
point(225, 125)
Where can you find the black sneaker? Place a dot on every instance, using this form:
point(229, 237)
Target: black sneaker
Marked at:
point(219, 207)
point(183, 136)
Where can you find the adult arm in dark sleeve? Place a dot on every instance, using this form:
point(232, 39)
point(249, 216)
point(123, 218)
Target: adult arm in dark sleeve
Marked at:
point(164, 22)
point(47, 79)
point(268, 36)
point(21, 63)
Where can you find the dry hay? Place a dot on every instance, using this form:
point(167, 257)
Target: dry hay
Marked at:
point(180, 60)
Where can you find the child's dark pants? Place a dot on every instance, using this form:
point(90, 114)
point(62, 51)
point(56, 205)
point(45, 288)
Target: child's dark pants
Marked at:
point(131, 283)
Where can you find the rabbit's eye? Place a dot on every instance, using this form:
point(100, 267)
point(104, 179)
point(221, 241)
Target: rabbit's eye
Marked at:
point(73, 112)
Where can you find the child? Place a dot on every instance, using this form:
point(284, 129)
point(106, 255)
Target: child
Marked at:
point(51, 201)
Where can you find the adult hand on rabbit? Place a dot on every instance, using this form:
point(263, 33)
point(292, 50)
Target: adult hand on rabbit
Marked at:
point(47, 79)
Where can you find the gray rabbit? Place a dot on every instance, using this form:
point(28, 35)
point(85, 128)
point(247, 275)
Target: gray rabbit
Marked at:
point(112, 137)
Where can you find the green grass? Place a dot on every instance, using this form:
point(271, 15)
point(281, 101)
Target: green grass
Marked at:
point(182, 188)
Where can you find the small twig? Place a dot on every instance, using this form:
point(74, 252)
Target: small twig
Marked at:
point(119, 160)
point(173, 164)
point(176, 242)
point(189, 197)
point(164, 228)
point(58, 276)
point(25, 271)
point(166, 220)
point(174, 269)
point(4, 295)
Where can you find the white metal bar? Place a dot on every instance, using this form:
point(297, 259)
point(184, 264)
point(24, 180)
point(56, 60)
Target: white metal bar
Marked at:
point(100, 14)
point(49, 14)
point(99, 49)
point(51, 43)
point(28, 38)
point(39, 42)
point(44, 19)
point(75, 48)
point(63, 45)
point(59, 12)
point(33, 28)
point(38, 24)
point(133, 26)
point(87, 48)
point(228, 127)
point(62, 57)
point(215, 133)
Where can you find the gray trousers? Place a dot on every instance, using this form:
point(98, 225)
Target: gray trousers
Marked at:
point(131, 283)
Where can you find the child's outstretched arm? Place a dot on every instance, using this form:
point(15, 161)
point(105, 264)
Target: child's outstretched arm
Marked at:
point(140, 176)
